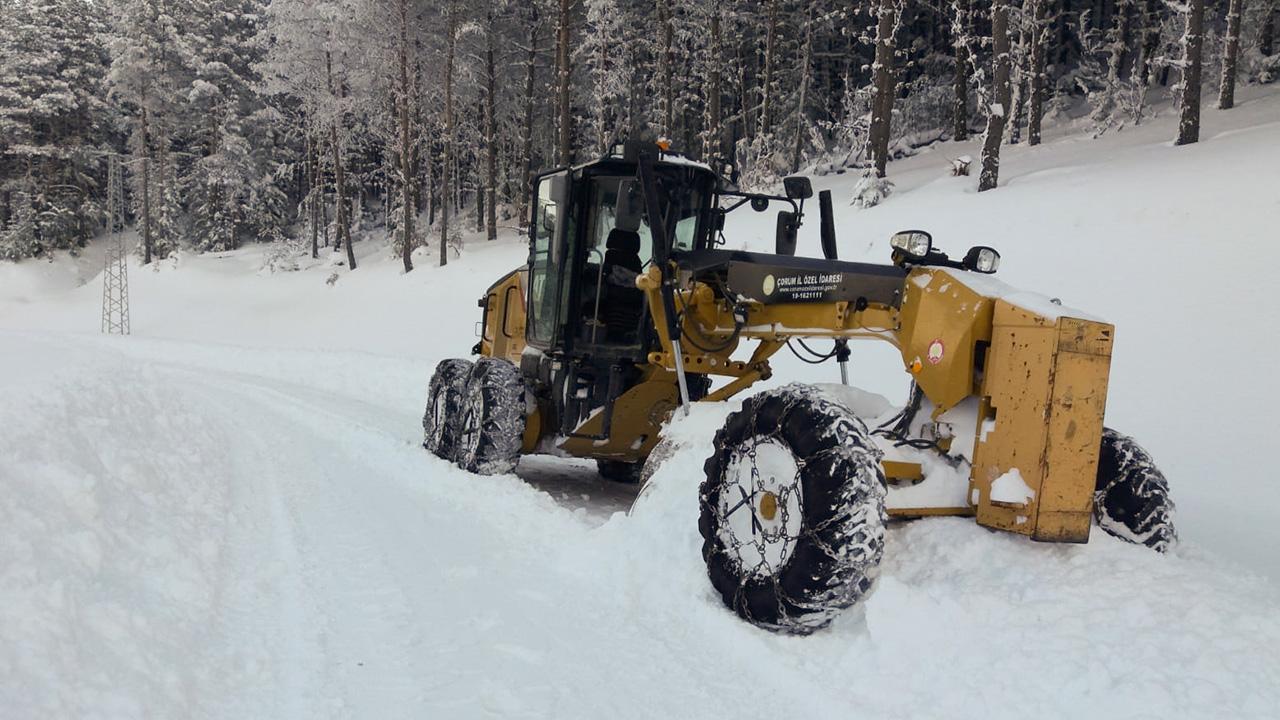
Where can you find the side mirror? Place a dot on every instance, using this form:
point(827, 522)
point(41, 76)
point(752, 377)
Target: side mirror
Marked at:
point(558, 185)
point(912, 243)
point(549, 218)
point(788, 227)
point(982, 259)
point(630, 206)
point(797, 187)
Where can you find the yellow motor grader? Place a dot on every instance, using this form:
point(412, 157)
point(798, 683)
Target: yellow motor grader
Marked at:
point(630, 306)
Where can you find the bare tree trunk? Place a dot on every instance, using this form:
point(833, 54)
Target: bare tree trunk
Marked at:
point(883, 81)
point(339, 172)
point(770, 61)
point(312, 198)
point(960, 29)
point(446, 173)
point(1193, 46)
point(490, 133)
point(406, 142)
point(340, 194)
point(666, 59)
point(1267, 35)
point(146, 186)
point(1017, 85)
point(526, 187)
point(1227, 94)
point(433, 191)
point(562, 92)
point(1035, 100)
point(1000, 96)
point(1119, 39)
point(1151, 22)
point(714, 144)
point(802, 96)
point(481, 196)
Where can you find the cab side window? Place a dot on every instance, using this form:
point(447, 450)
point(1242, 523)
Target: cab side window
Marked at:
point(544, 278)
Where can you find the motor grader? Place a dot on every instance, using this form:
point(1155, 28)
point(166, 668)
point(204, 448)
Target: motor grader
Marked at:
point(632, 306)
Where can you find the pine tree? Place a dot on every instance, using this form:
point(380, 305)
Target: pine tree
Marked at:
point(54, 126)
point(232, 192)
point(152, 64)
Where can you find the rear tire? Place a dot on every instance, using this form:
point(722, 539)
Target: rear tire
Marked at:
point(792, 510)
point(444, 401)
point(1131, 500)
point(491, 424)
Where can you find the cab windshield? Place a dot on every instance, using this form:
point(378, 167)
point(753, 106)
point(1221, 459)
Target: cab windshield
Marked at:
point(604, 219)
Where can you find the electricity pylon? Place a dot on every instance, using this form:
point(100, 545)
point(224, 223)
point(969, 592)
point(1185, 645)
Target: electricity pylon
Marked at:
point(115, 275)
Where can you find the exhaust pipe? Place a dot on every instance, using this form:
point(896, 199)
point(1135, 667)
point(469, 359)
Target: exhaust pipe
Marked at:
point(828, 225)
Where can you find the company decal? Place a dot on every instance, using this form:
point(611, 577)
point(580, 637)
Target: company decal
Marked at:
point(936, 351)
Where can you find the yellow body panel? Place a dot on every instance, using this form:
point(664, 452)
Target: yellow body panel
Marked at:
point(503, 332)
point(1044, 394)
point(1040, 380)
point(638, 416)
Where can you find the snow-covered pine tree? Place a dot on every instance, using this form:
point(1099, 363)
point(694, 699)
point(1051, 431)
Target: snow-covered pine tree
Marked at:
point(152, 66)
point(233, 195)
point(609, 67)
point(54, 124)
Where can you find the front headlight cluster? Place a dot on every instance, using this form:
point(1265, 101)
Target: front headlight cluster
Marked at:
point(982, 259)
point(917, 245)
point(913, 243)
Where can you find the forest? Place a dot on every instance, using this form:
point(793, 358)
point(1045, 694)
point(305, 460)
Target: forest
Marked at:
point(319, 124)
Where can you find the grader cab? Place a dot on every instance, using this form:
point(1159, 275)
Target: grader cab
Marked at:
point(632, 305)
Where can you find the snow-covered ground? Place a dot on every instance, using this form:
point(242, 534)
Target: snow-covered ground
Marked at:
point(228, 515)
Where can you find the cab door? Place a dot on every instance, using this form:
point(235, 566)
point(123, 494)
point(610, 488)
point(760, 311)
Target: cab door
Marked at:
point(548, 290)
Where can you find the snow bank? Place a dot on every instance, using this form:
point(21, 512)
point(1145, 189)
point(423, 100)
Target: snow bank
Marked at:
point(111, 515)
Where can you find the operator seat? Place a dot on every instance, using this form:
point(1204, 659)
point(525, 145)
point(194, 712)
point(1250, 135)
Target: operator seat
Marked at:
point(621, 302)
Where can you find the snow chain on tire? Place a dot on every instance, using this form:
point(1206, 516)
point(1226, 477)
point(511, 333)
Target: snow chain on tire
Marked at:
point(491, 427)
point(1132, 501)
point(444, 404)
point(792, 510)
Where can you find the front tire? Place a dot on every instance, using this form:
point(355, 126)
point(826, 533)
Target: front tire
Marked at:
point(1131, 500)
point(491, 428)
point(444, 401)
point(792, 510)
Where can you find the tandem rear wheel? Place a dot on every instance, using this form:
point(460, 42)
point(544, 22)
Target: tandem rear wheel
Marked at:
point(475, 414)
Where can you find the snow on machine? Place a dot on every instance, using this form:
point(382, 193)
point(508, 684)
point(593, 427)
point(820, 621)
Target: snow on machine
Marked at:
point(630, 307)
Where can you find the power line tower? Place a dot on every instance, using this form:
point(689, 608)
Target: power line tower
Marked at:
point(115, 274)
